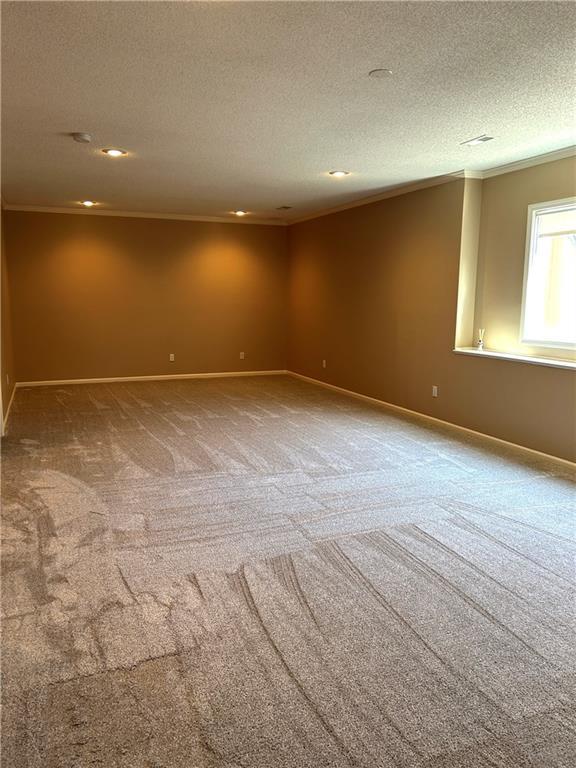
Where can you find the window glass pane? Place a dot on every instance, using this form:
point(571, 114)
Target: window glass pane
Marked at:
point(550, 299)
point(559, 221)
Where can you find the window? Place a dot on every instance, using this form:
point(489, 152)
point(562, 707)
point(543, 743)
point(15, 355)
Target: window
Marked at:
point(549, 300)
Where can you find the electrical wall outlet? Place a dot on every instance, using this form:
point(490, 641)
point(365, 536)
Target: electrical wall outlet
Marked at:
point(323, 363)
point(434, 390)
point(171, 357)
point(242, 355)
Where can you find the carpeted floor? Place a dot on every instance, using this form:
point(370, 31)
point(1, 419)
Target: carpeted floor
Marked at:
point(259, 573)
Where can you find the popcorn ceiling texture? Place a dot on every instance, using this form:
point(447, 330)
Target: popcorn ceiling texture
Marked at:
point(260, 573)
point(249, 105)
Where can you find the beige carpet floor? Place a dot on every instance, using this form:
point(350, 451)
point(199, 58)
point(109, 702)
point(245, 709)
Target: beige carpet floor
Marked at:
point(259, 573)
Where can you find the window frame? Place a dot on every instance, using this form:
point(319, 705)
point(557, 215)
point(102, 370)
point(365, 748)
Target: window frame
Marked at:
point(533, 210)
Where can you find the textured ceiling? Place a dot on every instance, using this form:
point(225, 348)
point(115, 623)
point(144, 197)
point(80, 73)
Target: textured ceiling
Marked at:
point(248, 105)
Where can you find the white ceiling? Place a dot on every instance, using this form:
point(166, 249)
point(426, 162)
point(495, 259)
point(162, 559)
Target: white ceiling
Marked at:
point(226, 105)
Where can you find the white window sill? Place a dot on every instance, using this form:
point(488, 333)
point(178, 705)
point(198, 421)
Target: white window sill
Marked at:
point(553, 362)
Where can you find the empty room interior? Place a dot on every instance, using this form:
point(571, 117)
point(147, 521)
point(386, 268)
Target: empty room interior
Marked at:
point(288, 384)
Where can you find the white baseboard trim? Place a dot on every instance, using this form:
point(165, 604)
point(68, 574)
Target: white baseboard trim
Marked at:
point(318, 382)
point(433, 419)
point(7, 414)
point(163, 377)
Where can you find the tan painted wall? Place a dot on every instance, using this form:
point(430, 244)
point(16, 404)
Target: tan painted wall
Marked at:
point(7, 374)
point(500, 272)
point(100, 296)
point(374, 292)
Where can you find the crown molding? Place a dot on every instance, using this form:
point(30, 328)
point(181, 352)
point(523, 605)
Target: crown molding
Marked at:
point(518, 165)
point(528, 162)
point(468, 175)
point(395, 191)
point(401, 189)
point(141, 215)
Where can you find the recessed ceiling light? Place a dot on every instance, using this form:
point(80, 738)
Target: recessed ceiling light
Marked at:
point(89, 203)
point(478, 140)
point(380, 73)
point(339, 174)
point(114, 152)
point(240, 213)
